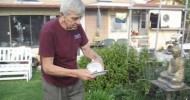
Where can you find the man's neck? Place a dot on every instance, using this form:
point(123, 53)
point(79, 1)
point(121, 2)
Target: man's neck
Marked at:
point(63, 25)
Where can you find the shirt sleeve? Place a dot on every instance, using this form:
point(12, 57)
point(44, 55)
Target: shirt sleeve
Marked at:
point(84, 37)
point(46, 47)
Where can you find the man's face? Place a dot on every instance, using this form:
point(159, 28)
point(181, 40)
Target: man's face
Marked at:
point(71, 21)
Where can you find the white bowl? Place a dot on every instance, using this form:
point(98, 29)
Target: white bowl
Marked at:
point(94, 67)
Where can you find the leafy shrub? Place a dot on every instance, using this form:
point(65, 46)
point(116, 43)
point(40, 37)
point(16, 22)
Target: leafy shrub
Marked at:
point(124, 67)
point(123, 93)
point(187, 71)
point(98, 95)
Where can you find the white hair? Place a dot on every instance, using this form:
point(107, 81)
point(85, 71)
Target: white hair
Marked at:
point(76, 6)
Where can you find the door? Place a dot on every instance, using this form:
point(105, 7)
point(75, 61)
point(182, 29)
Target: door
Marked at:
point(143, 24)
point(143, 39)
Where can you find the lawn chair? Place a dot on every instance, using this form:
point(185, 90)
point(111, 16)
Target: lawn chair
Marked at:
point(122, 41)
point(108, 42)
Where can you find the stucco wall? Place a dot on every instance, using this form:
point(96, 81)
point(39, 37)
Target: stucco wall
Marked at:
point(90, 24)
point(163, 36)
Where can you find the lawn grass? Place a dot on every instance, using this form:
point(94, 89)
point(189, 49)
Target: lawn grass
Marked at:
point(21, 89)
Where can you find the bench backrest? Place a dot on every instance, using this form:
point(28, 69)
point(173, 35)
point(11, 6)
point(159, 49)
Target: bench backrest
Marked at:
point(15, 54)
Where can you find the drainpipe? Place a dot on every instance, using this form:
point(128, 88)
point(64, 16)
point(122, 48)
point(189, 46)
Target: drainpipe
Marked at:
point(129, 29)
point(184, 24)
point(158, 27)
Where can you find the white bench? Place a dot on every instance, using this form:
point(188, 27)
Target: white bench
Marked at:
point(15, 63)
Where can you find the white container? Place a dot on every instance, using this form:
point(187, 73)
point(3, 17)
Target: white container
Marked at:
point(94, 67)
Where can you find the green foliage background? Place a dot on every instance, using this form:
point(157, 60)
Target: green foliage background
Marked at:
point(124, 67)
point(128, 76)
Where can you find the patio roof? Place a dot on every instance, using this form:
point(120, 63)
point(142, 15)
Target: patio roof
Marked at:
point(91, 4)
point(157, 7)
point(108, 5)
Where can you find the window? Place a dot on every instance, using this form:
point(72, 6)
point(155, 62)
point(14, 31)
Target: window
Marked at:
point(167, 19)
point(115, 27)
point(25, 30)
point(154, 20)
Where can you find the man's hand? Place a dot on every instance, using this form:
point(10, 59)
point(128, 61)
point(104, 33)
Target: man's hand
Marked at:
point(98, 60)
point(91, 54)
point(84, 74)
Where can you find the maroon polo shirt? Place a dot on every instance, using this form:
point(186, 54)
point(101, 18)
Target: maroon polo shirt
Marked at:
point(62, 45)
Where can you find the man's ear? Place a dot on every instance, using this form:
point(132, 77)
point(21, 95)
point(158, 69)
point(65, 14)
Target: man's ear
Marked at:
point(62, 14)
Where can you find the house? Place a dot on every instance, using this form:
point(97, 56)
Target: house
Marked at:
point(21, 20)
point(142, 18)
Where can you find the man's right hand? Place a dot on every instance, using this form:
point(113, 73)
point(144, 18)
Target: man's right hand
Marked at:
point(84, 74)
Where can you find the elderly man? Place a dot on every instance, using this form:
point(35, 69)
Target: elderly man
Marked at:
point(60, 40)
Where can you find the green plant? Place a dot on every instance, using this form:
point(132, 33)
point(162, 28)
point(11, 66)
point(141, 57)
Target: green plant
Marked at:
point(114, 61)
point(124, 67)
point(98, 95)
point(121, 92)
point(128, 92)
point(187, 70)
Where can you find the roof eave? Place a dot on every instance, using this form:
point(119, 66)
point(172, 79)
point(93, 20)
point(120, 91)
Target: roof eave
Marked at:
point(157, 7)
point(29, 6)
point(105, 7)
